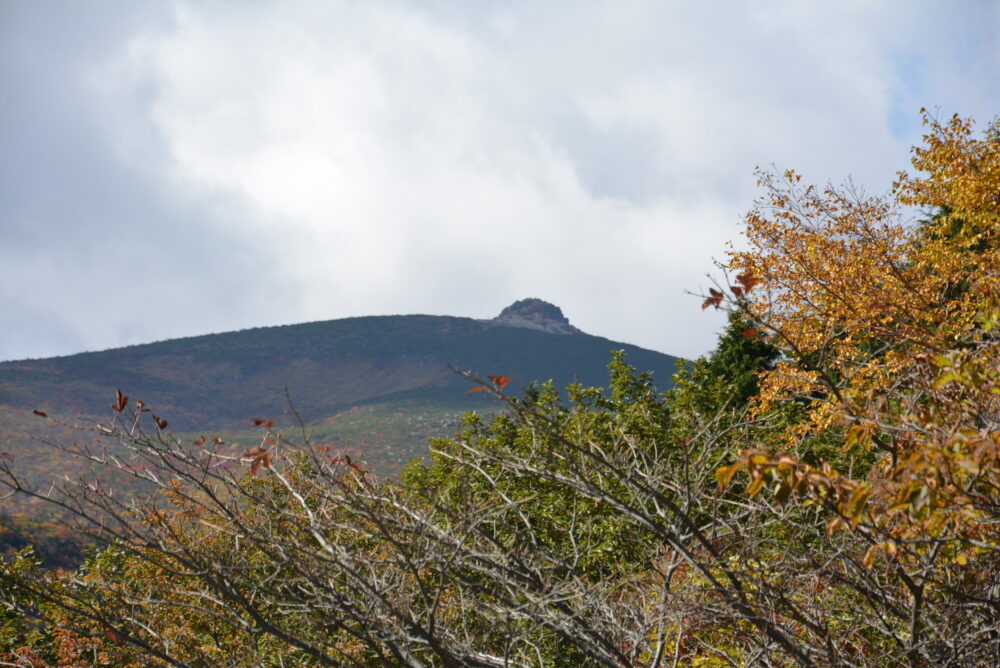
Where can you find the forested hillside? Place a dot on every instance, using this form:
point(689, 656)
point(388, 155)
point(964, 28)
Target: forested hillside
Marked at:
point(379, 387)
point(823, 489)
point(224, 380)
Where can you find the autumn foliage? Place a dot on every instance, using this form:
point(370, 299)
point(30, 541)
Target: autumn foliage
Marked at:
point(889, 334)
point(823, 489)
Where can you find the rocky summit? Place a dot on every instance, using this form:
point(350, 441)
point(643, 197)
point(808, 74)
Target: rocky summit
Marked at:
point(535, 314)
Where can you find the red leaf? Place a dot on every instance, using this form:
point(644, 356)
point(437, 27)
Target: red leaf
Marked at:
point(263, 423)
point(747, 280)
point(120, 401)
point(345, 459)
point(200, 441)
point(475, 389)
point(260, 457)
point(160, 424)
point(750, 333)
point(217, 441)
point(714, 299)
point(40, 413)
point(500, 381)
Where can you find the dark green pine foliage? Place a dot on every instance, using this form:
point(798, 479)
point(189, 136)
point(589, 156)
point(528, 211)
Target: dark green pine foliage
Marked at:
point(727, 378)
point(739, 357)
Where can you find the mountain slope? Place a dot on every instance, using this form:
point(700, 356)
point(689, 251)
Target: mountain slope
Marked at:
point(223, 380)
point(379, 386)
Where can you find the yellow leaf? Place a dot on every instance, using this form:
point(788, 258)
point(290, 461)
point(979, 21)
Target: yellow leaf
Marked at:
point(755, 486)
point(858, 501)
point(724, 474)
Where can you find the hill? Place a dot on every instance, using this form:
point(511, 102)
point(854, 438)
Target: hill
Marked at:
point(340, 373)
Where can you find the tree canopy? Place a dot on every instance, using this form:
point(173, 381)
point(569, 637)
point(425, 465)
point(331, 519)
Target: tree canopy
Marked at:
point(823, 489)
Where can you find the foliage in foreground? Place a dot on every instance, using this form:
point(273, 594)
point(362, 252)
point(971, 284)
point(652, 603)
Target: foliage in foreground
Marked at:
point(821, 490)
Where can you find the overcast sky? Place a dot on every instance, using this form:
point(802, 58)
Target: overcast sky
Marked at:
point(170, 169)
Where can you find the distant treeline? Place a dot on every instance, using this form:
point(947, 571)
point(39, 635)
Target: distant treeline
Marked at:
point(55, 544)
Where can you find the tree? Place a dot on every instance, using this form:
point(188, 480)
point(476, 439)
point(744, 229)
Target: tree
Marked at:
point(823, 489)
point(889, 334)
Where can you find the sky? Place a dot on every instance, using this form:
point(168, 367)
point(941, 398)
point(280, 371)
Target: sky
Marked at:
point(179, 168)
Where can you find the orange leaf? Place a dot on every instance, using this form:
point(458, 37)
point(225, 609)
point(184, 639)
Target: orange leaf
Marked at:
point(750, 333)
point(263, 423)
point(869, 559)
point(475, 389)
point(500, 381)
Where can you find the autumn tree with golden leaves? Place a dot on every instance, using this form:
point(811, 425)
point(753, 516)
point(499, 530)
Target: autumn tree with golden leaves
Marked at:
point(821, 490)
point(890, 334)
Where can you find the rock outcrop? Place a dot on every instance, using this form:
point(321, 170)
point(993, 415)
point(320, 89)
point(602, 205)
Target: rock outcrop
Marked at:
point(535, 314)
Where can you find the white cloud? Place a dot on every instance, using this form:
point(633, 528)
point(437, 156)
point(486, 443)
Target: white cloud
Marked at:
point(379, 158)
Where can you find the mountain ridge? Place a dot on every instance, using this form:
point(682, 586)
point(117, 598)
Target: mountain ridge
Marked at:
point(223, 381)
point(521, 313)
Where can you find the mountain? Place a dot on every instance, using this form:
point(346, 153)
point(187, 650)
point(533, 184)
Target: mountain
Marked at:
point(387, 373)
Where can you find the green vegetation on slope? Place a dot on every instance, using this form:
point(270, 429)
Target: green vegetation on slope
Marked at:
point(822, 490)
point(224, 380)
